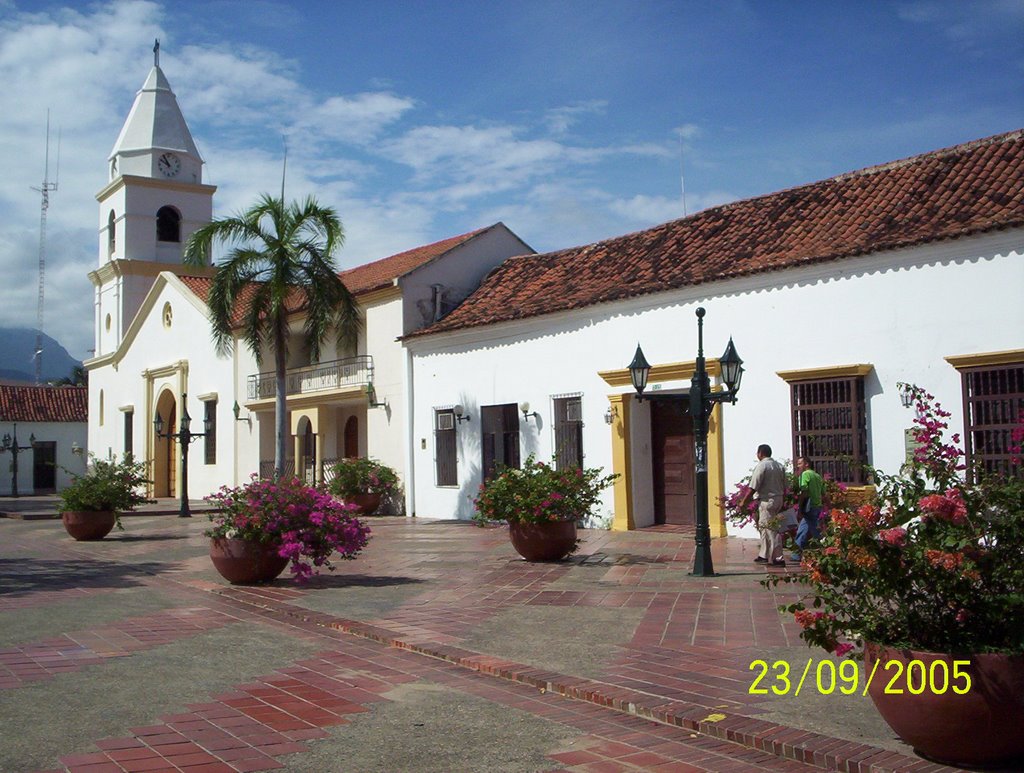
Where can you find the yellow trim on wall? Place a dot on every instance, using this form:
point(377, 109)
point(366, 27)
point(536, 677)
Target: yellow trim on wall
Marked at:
point(669, 371)
point(819, 374)
point(985, 359)
point(716, 473)
point(622, 463)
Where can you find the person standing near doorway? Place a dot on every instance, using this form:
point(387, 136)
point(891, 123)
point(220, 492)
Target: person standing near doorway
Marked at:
point(768, 486)
point(812, 492)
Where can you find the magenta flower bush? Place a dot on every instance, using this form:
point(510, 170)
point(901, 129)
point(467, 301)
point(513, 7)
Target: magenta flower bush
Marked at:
point(308, 526)
point(538, 493)
point(740, 516)
point(935, 563)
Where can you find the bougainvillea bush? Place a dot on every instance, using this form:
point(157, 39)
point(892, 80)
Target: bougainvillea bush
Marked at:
point(309, 526)
point(741, 516)
point(538, 493)
point(362, 476)
point(935, 563)
point(107, 486)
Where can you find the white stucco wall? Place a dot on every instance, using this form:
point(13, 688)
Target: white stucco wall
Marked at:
point(385, 425)
point(67, 435)
point(181, 358)
point(900, 311)
point(457, 275)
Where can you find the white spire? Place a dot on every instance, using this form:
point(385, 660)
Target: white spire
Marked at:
point(155, 122)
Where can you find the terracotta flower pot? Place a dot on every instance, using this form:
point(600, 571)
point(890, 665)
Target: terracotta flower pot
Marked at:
point(367, 503)
point(86, 525)
point(242, 562)
point(543, 541)
point(980, 727)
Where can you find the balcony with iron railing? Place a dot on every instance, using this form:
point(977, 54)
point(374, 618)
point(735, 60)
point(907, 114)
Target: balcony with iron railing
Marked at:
point(333, 376)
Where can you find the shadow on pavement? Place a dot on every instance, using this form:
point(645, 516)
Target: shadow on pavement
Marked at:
point(148, 537)
point(358, 581)
point(22, 576)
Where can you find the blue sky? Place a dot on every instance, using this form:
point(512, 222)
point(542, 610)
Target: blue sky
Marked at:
point(421, 120)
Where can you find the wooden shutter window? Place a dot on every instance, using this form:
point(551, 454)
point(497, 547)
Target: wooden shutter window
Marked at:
point(445, 461)
point(993, 402)
point(830, 426)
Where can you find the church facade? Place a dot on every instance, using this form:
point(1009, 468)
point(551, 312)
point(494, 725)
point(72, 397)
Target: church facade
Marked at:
point(155, 362)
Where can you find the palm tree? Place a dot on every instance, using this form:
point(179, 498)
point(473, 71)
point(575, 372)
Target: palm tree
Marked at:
point(280, 261)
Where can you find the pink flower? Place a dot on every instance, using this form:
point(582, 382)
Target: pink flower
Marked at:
point(947, 507)
point(896, 537)
point(842, 648)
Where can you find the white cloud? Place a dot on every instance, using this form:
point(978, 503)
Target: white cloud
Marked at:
point(381, 158)
point(357, 119)
point(560, 119)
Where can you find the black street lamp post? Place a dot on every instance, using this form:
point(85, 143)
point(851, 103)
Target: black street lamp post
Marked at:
point(184, 436)
point(11, 444)
point(702, 402)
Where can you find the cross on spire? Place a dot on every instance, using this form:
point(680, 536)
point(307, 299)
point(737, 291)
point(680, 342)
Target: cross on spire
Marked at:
point(156, 53)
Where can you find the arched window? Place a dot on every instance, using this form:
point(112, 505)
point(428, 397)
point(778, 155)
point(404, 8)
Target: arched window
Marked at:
point(168, 225)
point(111, 233)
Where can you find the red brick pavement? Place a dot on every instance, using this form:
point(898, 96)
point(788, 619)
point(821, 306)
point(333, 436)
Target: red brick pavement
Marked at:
point(72, 651)
point(721, 623)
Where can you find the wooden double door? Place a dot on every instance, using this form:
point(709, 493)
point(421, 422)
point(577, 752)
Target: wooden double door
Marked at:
point(672, 460)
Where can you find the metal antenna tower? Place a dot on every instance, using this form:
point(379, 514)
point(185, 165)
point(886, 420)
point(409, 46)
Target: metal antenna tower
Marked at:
point(45, 190)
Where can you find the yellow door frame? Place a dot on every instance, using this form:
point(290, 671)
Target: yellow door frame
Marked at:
point(620, 405)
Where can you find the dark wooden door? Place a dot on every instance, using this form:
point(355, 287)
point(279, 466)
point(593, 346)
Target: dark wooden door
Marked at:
point(500, 437)
point(352, 438)
point(44, 468)
point(672, 460)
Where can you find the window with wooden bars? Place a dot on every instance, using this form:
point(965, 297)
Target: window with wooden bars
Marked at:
point(445, 456)
point(568, 432)
point(830, 426)
point(993, 402)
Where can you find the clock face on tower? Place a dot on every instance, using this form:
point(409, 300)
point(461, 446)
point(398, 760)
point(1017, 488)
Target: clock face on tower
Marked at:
point(169, 164)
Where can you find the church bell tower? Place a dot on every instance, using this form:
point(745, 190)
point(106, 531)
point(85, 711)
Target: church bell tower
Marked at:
point(154, 200)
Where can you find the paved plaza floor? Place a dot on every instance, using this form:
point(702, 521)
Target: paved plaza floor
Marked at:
point(436, 650)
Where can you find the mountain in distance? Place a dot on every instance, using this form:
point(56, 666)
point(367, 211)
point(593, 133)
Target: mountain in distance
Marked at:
point(17, 346)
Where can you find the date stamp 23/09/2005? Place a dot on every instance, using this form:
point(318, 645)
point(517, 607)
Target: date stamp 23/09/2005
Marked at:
point(915, 677)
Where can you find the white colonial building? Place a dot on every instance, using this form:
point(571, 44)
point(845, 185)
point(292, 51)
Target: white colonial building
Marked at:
point(48, 426)
point(154, 352)
point(833, 293)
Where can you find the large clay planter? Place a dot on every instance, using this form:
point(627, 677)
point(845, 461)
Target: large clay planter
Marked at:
point(984, 726)
point(367, 503)
point(242, 562)
point(543, 541)
point(86, 525)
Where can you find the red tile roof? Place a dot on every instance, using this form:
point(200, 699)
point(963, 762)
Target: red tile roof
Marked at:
point(967, 189)
point(359, 280)
point(383, 272)
point(44, 403)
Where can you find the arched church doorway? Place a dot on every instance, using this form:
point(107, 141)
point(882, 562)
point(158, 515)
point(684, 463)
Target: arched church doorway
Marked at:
point(165, 459)
point(352, 438)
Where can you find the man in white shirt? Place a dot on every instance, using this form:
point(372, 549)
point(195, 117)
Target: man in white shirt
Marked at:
point(768, 486)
